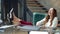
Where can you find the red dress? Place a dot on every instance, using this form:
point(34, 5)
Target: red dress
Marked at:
point(25, 23)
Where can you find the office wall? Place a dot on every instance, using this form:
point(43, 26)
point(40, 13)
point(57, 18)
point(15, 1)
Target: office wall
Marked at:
point(51, 3)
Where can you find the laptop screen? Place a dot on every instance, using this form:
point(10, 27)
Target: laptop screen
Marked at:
point(38, 32)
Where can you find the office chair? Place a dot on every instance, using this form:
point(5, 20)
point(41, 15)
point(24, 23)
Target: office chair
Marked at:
point(37, 17)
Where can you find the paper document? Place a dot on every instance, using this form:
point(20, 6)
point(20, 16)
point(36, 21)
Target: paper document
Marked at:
point(6, 26)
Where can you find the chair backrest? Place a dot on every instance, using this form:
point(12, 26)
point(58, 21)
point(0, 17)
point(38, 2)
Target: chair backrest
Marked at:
point(37, 17)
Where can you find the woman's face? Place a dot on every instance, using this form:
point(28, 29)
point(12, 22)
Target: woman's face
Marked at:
point(50, 12)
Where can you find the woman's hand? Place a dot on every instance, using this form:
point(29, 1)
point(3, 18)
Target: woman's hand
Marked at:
point(43, 27)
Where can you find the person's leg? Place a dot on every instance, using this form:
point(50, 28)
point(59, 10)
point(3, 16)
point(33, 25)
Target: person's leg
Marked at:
point(16, 19)
point(25, 23)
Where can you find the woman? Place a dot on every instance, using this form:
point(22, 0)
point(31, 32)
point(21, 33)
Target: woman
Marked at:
point(50, 20)
point(18, 21)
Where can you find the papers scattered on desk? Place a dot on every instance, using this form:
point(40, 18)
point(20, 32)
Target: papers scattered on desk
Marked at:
point(37, 32)
point(6, 26)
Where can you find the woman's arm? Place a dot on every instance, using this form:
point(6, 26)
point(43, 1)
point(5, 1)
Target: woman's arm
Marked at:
point(39, 23)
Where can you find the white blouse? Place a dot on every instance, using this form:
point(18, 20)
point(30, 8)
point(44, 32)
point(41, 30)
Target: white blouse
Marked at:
point(54, 22)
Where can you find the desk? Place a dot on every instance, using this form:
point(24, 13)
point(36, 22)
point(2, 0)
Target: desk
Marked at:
point(6, 29)
point(28, 28)
point(35, 28)
point(23, 29)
